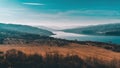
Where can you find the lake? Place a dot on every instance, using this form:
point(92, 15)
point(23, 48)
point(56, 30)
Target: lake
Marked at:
point(81, 37)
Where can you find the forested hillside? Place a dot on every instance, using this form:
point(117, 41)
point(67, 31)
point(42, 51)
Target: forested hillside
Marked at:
point(106, 29)
point(24, 29)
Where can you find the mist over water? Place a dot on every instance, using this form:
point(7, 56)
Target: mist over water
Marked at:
point(81, 37)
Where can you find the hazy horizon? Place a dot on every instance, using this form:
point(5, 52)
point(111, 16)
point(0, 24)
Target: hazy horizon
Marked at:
point(60, 13)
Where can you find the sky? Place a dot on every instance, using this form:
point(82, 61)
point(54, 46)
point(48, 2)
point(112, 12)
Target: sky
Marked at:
point(60, 13)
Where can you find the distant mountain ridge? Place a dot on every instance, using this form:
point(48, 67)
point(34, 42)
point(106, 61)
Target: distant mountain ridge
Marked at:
point(25, 29)
point(46, 28)
point(105, 29)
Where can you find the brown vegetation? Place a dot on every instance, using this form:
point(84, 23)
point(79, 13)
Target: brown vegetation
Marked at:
point(17, 59)
point(82, 51)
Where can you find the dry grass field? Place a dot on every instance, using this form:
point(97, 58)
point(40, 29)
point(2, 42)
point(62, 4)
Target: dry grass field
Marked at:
point(82, 51)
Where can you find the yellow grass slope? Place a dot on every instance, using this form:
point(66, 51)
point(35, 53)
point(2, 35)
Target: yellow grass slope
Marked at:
point(82, 51)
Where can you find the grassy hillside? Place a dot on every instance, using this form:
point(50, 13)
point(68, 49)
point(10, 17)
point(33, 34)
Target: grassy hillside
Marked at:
point(72, 56)
point(82, 51)
point(106, 29)
point(25, 29)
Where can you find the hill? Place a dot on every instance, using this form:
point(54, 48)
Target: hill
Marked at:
point(81, 50)
point(17, 56)
point(22, 34)
point(105, 29)
point(46, 28)
point(25, 29)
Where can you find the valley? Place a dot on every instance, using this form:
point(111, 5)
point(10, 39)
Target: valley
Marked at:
point(16, 44)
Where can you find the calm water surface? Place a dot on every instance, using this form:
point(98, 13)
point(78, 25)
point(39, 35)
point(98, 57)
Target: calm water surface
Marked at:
point(81, 37)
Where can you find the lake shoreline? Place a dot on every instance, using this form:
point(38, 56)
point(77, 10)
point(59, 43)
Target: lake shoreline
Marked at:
point(82, 37)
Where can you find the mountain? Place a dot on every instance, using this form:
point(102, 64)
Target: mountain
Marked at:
point(25, 29)
point(105, 29)
point(46, 28)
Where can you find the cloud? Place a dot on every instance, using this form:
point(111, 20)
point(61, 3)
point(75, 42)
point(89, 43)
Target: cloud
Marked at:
point(34, 4)
point(60, 19)
point(92, 12)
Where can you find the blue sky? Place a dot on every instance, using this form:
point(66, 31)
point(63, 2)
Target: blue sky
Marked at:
point(62, 13)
